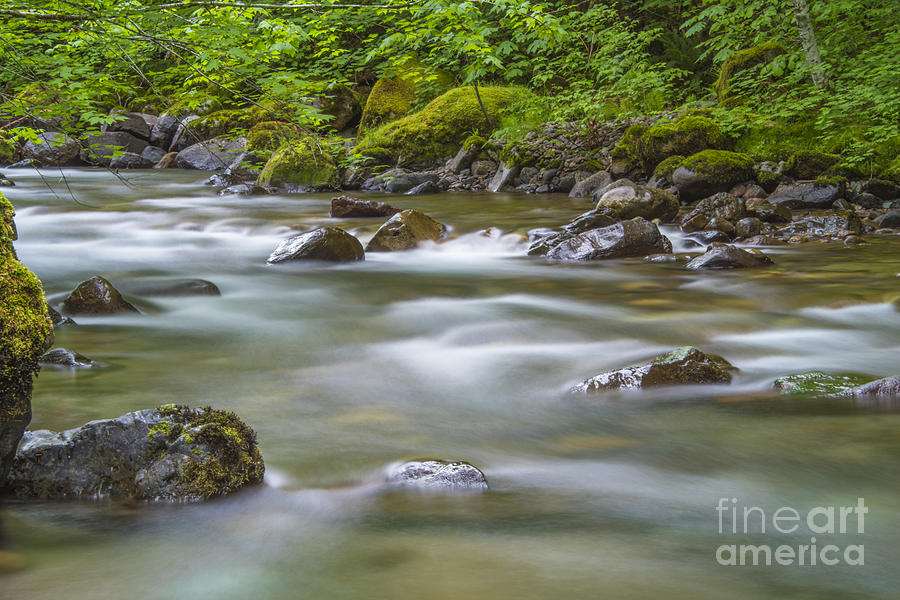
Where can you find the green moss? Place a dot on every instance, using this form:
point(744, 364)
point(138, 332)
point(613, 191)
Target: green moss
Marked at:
point(817, 383)
point(809, 164)
point(629, 146)
point(234, 460)
point(7, 147)
point(220, 123)
point(474, 140)
point(265, 138)
point(831, 180)
point(344, 104)
point(768, 180)
point(303, 162)
point(720, 166)
point(394, 97)
point(742, 60)
point(440, 128)
point(665, 169)
point(684, 136)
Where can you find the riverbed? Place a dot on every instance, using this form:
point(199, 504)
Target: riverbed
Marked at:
point(459, 350)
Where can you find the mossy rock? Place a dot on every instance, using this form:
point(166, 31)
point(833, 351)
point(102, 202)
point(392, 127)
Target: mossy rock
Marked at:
point(818, 383)
point(846, 170)
point(743, 60)
point(711, 171)
point(26, 332)
point(302, 162)
point(265, 138)
point(220, 123)
point(394, 97)
point(665, 169)
point(629, 147)
point(684, 136)
point(809, 164)
point(439, 129)
point(7, 148)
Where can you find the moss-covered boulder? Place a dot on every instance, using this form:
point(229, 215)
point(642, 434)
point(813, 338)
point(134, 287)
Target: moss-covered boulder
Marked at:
point(26, 331)
point(170, 454)
point(438, 130)
point(405, 230)
point(685, 365)
point(628, 202)
point(819, 383)
point(664, 169)
point(809, 164)
point(687, 135)
point(304, 162)
point(743, 60)
point(266, 137)
point(393, 97)
point(710, 171)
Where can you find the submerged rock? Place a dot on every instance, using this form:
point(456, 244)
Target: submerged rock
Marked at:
point(96, 296)
point(170, 454)
point(818, 383)
point(437, 474)
point(685, 365)
point(174, 287)
point(405, 230)
point(620, 240)
point(63, 357)
point(325, 243)
point(728, 257)
point(345, 207)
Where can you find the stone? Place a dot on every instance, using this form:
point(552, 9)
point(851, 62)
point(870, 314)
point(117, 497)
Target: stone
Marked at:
point(464, 158)
point(887, 388)
point(153, 154)
point(406, 230)
point(728, 257)
point(721, 206)
point(163, 131)
point(170, 454)
point(817, 383)
point(711, 171)
point(59, 320)
point(747, 227)
point(66, 359)
point(137, 124)
point(685, 365)
point(326, 243)
point(130, 160)
point(767, 212)
point(503, 177)
point(245, 189)
point(96, 296)
point(397, 181)
point(436, 474)
point(345, 207)
point(832, 225)
point(628, 202)
point(621, 240)
point(210, 155)
point(542, 240)
point(53, 149)
point(889, 219)
point(426, 187)
point(806, 195)
point(173, 288)
point(101, 149)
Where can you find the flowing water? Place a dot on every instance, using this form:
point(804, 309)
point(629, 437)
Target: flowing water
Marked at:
point(462, 350)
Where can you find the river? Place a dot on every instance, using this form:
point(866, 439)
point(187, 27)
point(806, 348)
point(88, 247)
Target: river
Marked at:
point(462, 350)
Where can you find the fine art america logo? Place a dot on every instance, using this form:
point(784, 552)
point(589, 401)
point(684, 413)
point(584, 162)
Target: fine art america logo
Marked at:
point(829, 521)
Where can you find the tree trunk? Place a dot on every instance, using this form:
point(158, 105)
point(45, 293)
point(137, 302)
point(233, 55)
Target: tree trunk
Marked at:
point(483, 109)
point(808, 39)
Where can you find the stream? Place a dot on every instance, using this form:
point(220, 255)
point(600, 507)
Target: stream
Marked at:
point(463, 350)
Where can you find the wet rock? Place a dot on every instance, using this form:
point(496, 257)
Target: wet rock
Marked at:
point(709, 237)
point(173, 288)
point(767, 212)
point(621, 240)
point(137, 124)
point(818, 383)
point(130, 160)
point(65, 358)
point(503, 177)
point(171, 454)
point(153, 154)
point(721, 206)
point(53, 149)
point(96, 296)
point(629, 202)
point(728, 257)
point(25, 163)
point(685, 365)
point(326, 243)
point(747, 227)
point(436, 474)
point(210, 155)
point(163, 131)
point(245, 189)
point(587, 186)
point(405, 230)
point(101, 149)
point(836, 225)
point(6, 181)
point(58, 319)
point(887, 388)
point(397, 181)
point(763, 240)
point(889, 219)
point(345, 207)
point(806, 195)
point(709, 172)
point(543, 239)
point(426, 187)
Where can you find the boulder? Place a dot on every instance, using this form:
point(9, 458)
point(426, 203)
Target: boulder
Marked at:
point(153, 154)
point(687, 135)
point(719, 207)
point(436, 474)
point(426, 187)
point(740, 61)
point(130, 160)
point(301, 163)
point(809, 164)
point(266, 137)
point(345, 207)
point(96, 296)
point(747, 227)
point(393, 97)
point(26, 332)
point(464, 158)
point(817, 383)
point(685, 365)
point(66, 359)
point(344, 105)
point(183, 135)
point(137, 124)
point(889, 219)
point(101, 149)
point(887, 388)
point(53, 149)
point(768, 212)
point(397, 181)
point(170, 454)
point(807, 195)
point(406, 229)
point(587, 186)
point(326, 243)
point(163, 131)
point(503, 177)
point(720, 256)
point(710, 171)
point(543, 240)
point(217, 153)
point(628, 202)
point(621, 240)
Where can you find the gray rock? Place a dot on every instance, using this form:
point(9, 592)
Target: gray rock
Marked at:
point(326, 243)
point(183, 136)
point(405, 230)
point(747, 227)
point(768, 212)
point(621, 240)
point(721, 206)
point(887, 388)
point(463, 159)
point(482, 168)
point(130, 160)
point(426, 187)
point(503, 177)
point(728, 257)
point(65, 358)
point(832, 225)
point(100, 149)
point(806, 195)
point(867, 200)
point(137, 124)
point(397, 181)
point(172, 454)
point(172, 287)
point(527, 174)
point(685, 365)
point(53, 149)
point(709, 236)
point(163, 131)
point(598, 192)
point(217, 153)
point(628, 202)
point(96, 296)
point(345, 207)
point(153, 154)
point(889, 219)
point(244, 189)
point(436, 474)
